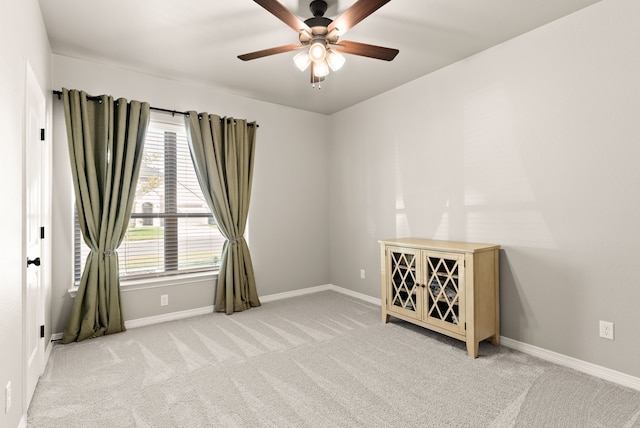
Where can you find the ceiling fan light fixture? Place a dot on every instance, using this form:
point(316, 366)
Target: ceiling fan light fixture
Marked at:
point(317, 51)
point(320, 68)
point(319, 35)
point(335, 60)
point(302, 60)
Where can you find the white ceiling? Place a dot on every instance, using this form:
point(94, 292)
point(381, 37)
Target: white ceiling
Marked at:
point(199, 40)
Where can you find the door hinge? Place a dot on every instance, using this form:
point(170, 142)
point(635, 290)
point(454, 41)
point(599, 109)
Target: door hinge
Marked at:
point(41, 134)
point(42, 331)
point(42, 232)
point(465, 326)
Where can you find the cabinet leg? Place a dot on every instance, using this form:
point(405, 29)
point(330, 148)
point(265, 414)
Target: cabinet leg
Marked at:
point(495, 340)
point(472, 349)
point(385, 317)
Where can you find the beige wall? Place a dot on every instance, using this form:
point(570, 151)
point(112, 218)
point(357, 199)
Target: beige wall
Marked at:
point(533, 145)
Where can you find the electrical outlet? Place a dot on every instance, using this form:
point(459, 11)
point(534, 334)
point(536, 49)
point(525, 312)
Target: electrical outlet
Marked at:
point(606, 330)
point(164, 300)
point(361, 273)
point(7, 397)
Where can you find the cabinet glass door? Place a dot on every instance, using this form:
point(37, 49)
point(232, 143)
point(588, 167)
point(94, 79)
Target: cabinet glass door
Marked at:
point(403, 288)
point(445, 299)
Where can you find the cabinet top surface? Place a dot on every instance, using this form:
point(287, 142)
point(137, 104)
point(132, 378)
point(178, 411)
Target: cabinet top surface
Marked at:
point(432, 244)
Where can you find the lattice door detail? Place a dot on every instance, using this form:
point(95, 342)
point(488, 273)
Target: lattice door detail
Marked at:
point(404, 281)
point(443, 288)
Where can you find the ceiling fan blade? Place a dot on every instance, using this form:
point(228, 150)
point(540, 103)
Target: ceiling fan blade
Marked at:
point(270, 51)
point(356, 13)
point(363, 49)
point(283, 14)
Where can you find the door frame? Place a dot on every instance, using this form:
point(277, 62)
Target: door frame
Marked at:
point(33, 94)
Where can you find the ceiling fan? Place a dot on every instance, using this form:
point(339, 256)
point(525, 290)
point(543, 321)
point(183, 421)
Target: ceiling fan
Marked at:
point(319, 37)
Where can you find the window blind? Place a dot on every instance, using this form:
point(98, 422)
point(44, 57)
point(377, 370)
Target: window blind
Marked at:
point(171, 229)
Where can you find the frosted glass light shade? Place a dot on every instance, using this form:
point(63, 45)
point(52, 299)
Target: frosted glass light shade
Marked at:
point(320, 68)
point(317, 51)
point(302, 60)
point(335, 60)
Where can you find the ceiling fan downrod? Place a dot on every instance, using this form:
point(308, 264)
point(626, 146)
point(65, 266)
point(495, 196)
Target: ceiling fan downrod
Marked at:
point(318, 8)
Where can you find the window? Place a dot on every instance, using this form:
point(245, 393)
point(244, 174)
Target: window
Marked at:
point(171, 229)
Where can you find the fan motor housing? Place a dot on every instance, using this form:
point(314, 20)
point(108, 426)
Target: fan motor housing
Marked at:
point(318, 21)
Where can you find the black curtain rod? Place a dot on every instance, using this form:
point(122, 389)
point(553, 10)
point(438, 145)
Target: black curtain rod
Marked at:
point(164, 110)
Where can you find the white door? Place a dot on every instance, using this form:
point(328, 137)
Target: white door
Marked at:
point(34, 220)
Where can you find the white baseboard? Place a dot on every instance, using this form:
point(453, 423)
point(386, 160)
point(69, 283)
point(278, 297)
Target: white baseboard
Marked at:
point(209, 309)
point(317, 289)
point(573, 363)
point(366, 298)
point(294, 293)
point(544, 354)
point(157, 319)
point(172, 316)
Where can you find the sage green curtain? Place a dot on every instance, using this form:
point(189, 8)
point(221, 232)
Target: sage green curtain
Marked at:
point(105, 148)
point(222, 150)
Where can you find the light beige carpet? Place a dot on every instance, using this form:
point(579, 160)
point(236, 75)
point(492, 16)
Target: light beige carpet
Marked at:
point(321, 360)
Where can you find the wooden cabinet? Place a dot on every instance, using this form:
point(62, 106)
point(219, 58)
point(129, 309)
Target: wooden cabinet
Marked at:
point(448, 287)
